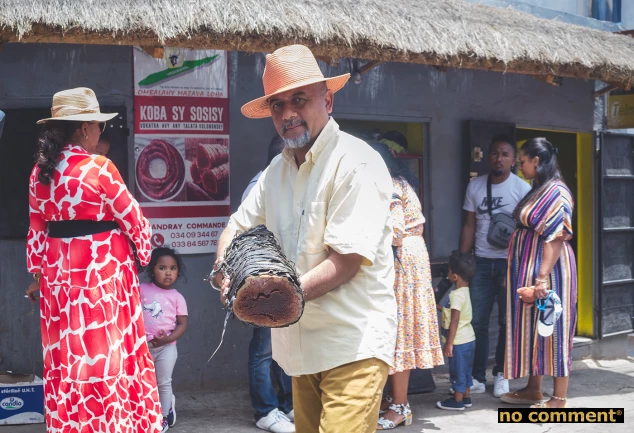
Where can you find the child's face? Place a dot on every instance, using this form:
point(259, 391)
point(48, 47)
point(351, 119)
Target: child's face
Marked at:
point(452, 277)
point(103, 147)
point(165, 272)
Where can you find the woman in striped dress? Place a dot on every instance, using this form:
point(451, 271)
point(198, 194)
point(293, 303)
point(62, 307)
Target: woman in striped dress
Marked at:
point(541, 257)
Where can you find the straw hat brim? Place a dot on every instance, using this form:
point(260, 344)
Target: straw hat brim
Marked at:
point(87, 117)
point(259, 108)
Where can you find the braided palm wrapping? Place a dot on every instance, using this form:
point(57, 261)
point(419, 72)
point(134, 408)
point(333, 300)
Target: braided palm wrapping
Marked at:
point(264, 290)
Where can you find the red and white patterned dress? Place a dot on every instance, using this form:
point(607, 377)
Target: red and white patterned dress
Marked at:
point(98, 372)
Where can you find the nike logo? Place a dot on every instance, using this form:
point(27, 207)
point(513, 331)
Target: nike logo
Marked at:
point(493, 208)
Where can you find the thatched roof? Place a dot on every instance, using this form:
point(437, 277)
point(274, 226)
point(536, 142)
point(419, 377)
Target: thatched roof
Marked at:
point(450, 33)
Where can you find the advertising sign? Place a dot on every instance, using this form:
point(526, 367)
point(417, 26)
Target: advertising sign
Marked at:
point(181, 146)
point(620, 111)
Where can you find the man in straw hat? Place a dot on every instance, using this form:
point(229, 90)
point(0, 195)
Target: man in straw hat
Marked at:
point(327, 200)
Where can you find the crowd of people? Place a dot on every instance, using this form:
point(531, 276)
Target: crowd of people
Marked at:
point(348, 215)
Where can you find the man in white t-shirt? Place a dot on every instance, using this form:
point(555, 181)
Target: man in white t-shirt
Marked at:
point(507, 190)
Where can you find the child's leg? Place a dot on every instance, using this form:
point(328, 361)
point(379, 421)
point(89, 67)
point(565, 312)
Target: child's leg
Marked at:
point(164, 361)
point(461, 365)
point(470, 356)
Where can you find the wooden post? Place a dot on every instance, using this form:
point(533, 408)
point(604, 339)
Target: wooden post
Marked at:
point(155, 52)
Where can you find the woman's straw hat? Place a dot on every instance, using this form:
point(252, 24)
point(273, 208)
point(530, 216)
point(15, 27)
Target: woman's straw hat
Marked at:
point(286, 69)
point(78, 104)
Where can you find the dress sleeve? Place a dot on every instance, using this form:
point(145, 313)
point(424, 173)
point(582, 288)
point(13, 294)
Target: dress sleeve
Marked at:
point(397, 210)
point(38, 230)
point(553, 214)
point(125, 210)
point(412, 209)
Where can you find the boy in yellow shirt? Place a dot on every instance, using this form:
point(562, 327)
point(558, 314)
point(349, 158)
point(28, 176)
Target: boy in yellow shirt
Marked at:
point(460, 337)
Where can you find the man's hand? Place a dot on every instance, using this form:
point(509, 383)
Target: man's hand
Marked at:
point(224, 290)
point(221, 281)
point(30, 291)
point(448, 350)
point(161, 340)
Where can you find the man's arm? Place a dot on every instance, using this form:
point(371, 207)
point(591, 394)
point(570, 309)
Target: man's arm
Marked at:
point(468, 231)
point(333, 272)
point(223, 242)
point(250, 213)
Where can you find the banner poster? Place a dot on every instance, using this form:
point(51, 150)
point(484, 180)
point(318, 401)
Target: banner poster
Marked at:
point(620, 110)
point(181, 146)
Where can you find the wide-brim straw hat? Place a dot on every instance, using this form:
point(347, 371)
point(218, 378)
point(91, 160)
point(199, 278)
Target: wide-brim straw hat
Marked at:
point(289, 68)
point(78, 104)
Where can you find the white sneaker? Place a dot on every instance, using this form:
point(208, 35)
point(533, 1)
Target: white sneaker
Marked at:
point(500, 385)
point(276, 422)
point(477, 387)
point(291, 415)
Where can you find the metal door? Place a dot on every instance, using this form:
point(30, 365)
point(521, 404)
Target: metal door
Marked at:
point(615, 307)
point(479, 136)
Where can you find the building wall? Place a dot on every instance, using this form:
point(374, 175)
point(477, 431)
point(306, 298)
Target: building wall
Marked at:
point(627, 14)
point(575, 7)
point(444, 100)
point(568, 11)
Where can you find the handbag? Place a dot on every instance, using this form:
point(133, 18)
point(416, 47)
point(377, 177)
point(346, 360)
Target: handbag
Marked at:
point(501, 226)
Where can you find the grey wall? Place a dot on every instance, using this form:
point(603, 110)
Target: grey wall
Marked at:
point(627, 14)
point(576, 7)
point(567, 11)
point(32, 73)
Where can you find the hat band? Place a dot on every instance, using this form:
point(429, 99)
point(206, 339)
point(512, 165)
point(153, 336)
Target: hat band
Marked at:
point(69, 110)
point(275, 87)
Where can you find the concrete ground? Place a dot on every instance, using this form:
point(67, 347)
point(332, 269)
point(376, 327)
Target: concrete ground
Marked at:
point(598, 384)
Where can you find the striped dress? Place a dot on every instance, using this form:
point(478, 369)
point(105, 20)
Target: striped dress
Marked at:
point(528, 353)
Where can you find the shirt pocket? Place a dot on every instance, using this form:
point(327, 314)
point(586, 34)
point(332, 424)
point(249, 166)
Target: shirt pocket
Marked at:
point(313, 228)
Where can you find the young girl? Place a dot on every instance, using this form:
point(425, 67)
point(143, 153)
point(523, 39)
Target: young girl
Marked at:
point(165, 316)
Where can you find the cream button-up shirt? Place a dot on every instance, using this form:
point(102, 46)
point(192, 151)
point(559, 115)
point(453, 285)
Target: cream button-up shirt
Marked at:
point(339, 198)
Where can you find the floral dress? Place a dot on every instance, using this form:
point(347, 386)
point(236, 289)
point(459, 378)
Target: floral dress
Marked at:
point(528, 353)
point(417, 342)
point(98, 373)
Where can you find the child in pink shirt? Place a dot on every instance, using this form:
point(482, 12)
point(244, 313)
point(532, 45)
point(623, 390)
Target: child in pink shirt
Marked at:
point(165, 317)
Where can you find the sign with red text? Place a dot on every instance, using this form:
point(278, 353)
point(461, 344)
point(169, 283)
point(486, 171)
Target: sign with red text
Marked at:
point(181, 146)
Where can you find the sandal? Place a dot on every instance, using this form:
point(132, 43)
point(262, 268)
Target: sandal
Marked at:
point(545, 405)
point(522, 397)
point(388, 399)
point(401, 409)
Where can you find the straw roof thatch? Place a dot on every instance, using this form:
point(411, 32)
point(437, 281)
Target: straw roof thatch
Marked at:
point(450, 33)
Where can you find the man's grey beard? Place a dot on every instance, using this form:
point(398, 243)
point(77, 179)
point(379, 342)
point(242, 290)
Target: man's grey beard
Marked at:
point(297, 142)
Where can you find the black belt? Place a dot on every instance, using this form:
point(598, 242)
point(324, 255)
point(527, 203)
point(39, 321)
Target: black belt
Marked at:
point(76, 228)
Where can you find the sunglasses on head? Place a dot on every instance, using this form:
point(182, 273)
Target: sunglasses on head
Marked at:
point(102, 126)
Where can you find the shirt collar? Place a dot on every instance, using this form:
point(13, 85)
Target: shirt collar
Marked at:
point(75, 148)
point(325, 137)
